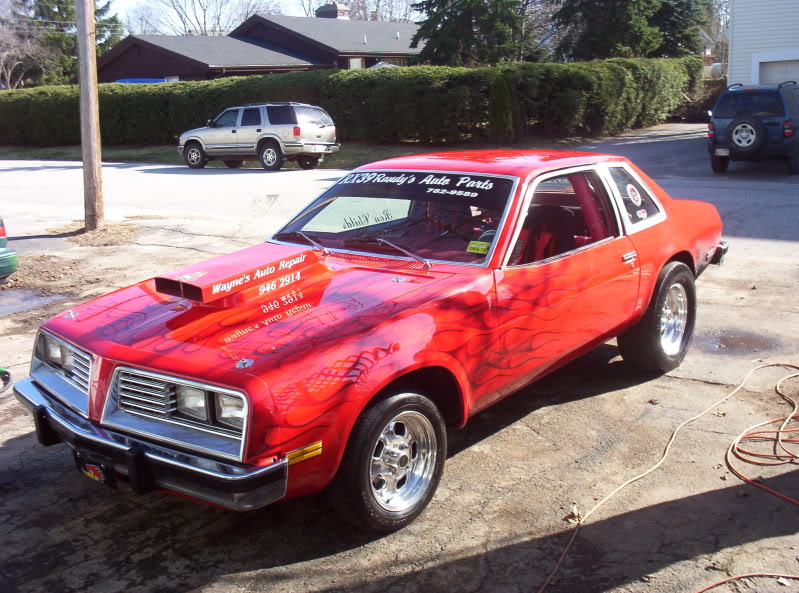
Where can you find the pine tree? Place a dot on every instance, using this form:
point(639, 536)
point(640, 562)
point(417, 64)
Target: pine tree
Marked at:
point(679, 22)
point(467, 32)
point(608, 29)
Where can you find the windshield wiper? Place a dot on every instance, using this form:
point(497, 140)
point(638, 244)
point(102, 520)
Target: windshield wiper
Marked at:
point(309, 238)
point(381, 241)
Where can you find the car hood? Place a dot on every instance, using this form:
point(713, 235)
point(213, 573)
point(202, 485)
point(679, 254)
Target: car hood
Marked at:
point(193, 132)
point(248, 309)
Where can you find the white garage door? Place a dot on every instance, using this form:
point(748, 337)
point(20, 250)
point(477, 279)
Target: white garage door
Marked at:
point(776, 72)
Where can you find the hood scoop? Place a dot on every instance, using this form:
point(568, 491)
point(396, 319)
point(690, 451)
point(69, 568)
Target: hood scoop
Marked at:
point(237, 277)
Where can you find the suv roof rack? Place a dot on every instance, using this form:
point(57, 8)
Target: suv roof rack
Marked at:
point(735, 86)
point(787, 82)
point(273, 103)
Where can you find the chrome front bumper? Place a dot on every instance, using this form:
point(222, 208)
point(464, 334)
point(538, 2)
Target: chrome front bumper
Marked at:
point(148, 466)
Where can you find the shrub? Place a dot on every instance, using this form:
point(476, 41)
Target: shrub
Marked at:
point(416, 104)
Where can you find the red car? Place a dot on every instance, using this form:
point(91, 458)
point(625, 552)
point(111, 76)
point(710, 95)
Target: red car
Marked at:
point(412, 294)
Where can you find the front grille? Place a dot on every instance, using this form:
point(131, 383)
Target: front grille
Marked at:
point(146, 395)
point(81, 369)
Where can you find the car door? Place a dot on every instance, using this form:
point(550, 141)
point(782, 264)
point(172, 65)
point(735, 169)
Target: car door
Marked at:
point(220, 139)
point(249, 130)
point(569, 281)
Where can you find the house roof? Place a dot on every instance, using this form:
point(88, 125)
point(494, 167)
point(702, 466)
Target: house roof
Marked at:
point(342, 36)
point(225, 52)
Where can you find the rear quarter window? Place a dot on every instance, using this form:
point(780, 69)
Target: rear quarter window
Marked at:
point(281, 115)
point(313, 115)
point(638, 204)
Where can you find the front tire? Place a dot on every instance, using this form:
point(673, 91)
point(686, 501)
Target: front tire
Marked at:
point(194, 156)
point(719, 164)
point(271, 156)
point(392, 464)
point(660, 340)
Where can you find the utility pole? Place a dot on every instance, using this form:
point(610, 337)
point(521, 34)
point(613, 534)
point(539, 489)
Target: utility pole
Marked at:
point(89, 117)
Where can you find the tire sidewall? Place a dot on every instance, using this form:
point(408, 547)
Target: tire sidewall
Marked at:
point(674, 272)
point(355, 470)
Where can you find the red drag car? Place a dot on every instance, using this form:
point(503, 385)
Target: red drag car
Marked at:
point(413, 293)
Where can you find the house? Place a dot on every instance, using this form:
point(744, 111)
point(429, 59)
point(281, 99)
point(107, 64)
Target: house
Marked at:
point(263, 44)
point(763, 41)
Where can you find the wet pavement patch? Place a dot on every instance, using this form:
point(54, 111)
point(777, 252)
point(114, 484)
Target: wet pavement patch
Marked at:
point(19, 300)
point(735, 341)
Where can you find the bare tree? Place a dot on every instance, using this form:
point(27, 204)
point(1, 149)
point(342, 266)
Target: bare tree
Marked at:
point(21, 52)
point(195, 17)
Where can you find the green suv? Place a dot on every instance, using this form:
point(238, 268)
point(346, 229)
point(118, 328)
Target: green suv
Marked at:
point(754, 123)
point(272, 133)
point(8, 257)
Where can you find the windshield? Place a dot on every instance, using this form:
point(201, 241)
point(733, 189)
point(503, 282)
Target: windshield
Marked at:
point(452, 217)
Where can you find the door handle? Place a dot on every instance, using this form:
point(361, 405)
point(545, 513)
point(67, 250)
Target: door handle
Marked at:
point(258, 130)
point(629, 258)
point(232, 131)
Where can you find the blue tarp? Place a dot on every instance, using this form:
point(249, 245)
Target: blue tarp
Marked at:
point(139, 80)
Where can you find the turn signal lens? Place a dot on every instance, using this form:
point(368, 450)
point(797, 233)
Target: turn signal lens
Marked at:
point(192, 402)
point(230, 411)
point(297, 131)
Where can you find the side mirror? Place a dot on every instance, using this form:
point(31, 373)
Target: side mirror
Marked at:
point(210, 124)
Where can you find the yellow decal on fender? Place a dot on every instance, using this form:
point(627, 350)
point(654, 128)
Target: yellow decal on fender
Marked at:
point(304, 453)
point(478, 247)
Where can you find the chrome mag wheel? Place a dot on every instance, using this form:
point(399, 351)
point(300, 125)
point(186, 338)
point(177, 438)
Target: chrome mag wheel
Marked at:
point(403, 461)
point(673, 319)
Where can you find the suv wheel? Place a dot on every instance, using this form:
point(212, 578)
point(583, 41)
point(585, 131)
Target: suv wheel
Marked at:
point(719, 163)
point(747, 135)
point(793, 163)
point(194, 156)
point(271, 156)
point(308, 162)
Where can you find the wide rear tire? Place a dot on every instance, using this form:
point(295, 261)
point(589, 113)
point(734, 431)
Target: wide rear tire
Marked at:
point(392, 464)
point(660, 340)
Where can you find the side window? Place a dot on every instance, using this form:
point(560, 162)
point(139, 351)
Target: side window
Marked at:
point(281, 115)
point(251, 117)
point(638, 205)
point(566, 213)
point(228, 118)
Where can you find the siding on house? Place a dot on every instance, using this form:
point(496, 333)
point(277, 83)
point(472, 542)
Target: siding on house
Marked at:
point(763, 40)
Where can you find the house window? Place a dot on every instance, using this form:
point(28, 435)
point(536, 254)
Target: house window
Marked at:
point(356, 63)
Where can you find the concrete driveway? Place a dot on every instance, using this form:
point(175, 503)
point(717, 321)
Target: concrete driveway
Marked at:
point(513, 474)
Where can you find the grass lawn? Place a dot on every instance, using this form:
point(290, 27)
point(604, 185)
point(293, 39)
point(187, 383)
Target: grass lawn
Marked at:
point(351, 155)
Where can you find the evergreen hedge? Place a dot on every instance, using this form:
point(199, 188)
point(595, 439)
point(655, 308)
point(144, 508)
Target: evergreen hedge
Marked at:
point(416, 104)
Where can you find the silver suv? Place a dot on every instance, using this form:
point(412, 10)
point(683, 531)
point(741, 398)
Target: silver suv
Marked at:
point(271, 132)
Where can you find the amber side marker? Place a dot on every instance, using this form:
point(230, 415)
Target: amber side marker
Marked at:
point(305, 453)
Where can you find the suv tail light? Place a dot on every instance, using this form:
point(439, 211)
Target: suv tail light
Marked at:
point(334, 135)
point(297, 131)
point(2, 228)
point(711, 130)
point(787, 128)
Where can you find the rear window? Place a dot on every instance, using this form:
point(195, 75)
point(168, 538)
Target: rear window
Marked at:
point(281, 115)
point(313, 116)
point(759, 104)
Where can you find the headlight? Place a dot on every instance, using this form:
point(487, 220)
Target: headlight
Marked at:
point(54, 353)
point(192, 402)
point(230, 411)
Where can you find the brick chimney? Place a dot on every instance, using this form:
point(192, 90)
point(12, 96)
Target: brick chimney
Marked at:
point(334, 10)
